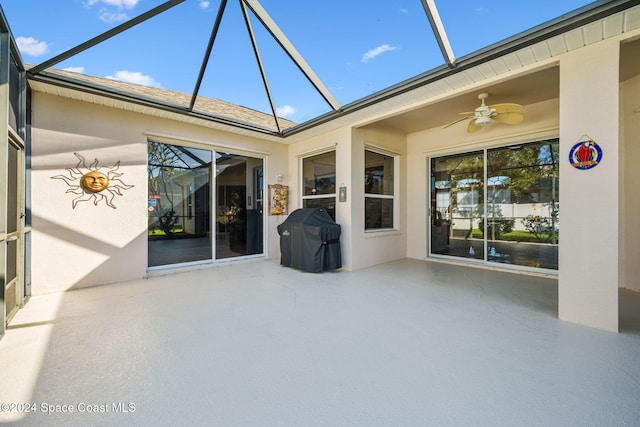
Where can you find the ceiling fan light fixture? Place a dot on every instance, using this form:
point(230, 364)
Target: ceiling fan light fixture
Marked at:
point(483, 120)
point(508, 113)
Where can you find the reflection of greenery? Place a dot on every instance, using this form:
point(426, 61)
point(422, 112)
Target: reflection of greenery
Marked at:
point(529, 167)
point(512, 236)
point(497, 226)
point(540, 227)
point(162, 162)
point(159, 233)
point(167, 222)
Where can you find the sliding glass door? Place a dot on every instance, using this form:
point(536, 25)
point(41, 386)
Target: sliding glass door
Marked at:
point(499, 205)
point(200, 197)
point(179, 204)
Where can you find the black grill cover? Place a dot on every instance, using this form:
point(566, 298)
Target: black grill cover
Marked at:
point(310, 241)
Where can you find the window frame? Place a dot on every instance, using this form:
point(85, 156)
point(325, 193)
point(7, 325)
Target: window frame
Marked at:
point(327, 196)
point(394, 186)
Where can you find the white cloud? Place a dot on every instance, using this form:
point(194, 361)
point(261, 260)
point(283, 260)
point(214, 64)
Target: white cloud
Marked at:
point(32, 47)
point(204, 4)
point(74, 69)
point(404, 10)
point(134, 77)
point(377, 51)
point(285, 111)
point(110, 18)
point(120, 4)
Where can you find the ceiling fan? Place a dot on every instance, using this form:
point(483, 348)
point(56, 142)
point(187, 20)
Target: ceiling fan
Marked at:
point(483, 115)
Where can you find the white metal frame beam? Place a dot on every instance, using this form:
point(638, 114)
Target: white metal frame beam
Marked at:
point(439, 32)
point(293, 53)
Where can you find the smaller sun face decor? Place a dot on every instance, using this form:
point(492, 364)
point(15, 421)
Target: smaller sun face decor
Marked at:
point(89, 183)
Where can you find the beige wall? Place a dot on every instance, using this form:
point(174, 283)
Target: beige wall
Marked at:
point(340, 141)
point(96, 244)
point(375, 247)
point(588, 253)
point(359, 248)
point(630, 200)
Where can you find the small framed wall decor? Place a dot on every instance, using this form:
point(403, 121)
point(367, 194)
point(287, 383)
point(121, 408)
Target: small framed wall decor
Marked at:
point(278, 199)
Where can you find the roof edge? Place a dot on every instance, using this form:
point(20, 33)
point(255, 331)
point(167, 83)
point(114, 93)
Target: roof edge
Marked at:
point(82, 86)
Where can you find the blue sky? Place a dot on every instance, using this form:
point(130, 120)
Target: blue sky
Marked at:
point(356, 47)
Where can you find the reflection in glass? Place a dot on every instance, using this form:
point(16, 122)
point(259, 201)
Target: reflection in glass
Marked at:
point(457, 205)
point(239, 205)
point(523, 204)
point(521, 210)
point(378, 188)
point(319, 182)
point(179, 199)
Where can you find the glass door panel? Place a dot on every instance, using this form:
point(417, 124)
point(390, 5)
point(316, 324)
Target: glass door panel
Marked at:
point(523, 205)
point(13, 291)
point(239, 205)
point(179, 204)
point(457, 205)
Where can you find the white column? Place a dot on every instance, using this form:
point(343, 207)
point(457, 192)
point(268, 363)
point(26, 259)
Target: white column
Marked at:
point(588, 259)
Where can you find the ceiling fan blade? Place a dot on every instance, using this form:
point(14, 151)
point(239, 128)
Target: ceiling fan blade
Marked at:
point(473, 127)
point(509, 118)
point(507, 107)
point(456, 121)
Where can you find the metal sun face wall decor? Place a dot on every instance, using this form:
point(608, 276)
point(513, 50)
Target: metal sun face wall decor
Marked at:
point(89, 183)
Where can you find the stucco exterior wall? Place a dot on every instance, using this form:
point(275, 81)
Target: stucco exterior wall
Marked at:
point(379, 246)
point(588, 253)
point(95, 244)
point(630, 176)
point(340, 141)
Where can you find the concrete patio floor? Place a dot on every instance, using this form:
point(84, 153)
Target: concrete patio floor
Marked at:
point(407, 343)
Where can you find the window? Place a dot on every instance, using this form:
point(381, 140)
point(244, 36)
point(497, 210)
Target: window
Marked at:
point(319, 182)
point(378, 190)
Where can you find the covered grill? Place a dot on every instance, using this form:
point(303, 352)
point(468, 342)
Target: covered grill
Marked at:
point(310, 241)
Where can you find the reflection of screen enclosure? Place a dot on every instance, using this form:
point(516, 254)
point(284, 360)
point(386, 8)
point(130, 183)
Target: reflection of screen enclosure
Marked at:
point(505, 199)
point(181, 215)
point(179, 199)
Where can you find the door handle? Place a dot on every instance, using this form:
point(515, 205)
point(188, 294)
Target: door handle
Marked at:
point(12, 239)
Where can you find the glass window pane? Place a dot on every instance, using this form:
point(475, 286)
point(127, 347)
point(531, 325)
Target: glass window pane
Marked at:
point(378, 213)
point(457, 205)
point(319, 174)
point(328, 203)
point(378, 171)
